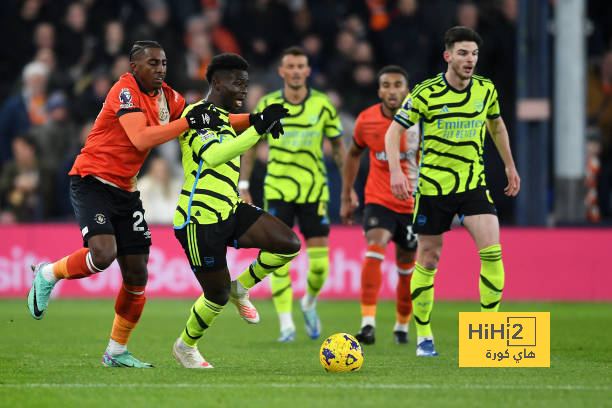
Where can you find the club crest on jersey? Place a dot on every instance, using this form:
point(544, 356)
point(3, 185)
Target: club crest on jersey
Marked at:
point(478, 104)
point(125, 97)
point(100, 218)
point(163, 114)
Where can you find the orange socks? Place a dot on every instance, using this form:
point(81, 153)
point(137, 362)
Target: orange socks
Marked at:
point(371, 279)
point(75, 266)
point(128, 308)
point(404, 300)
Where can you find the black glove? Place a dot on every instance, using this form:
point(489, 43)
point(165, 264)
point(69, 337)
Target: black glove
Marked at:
point(202, 116)
point(265, 121)
point(277, 130)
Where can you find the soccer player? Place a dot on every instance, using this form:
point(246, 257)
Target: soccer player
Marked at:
point(296, 183)
point(385, 217)
point(140, 112)
point(455, 108)
point(210, 215)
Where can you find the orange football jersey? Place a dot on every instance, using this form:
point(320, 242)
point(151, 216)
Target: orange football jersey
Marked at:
point(369, 133)
point(108, 153)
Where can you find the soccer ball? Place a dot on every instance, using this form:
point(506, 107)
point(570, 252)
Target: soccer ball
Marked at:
point(341, 352)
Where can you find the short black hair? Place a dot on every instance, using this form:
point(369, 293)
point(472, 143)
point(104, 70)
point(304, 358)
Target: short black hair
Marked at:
point(392, 69)
point(294, 50)
point(460, 33)
point(139, 47)
point(225, 62)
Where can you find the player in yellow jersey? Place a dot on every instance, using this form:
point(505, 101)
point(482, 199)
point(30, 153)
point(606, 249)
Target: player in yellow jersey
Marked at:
point(210, 216)
point(296, 183)
point(454, 108)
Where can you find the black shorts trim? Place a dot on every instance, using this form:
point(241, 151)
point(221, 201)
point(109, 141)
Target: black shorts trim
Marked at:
point(312, 217)
point(398, 224)
point(433, 215)
point(206, 244)
point(104, 209)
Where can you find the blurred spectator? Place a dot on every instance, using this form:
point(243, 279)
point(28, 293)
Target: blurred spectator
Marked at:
point(189, 71)
point(467, 15)
point(407, 42)
point(302, 22)
point(261, 36)
point(339, 66)
point(26, 185)
point(157, 27)
point(355, 24)
point(363, 92)
point(222, 38)
point(44, 36)
point(120, 67)
point(313, 46)
point(59, 134)
point(111, 46)
point(88, 104)
point(62, 189)
point(379, 17)
point(19, 27)
point(599, 119)
point(56, 78)
point(75, 44)
point(24, 108)
point(158, 191)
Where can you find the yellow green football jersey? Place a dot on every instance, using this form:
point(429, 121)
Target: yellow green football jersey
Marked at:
point(210, 194)
point(453, 126)
point(296, 171)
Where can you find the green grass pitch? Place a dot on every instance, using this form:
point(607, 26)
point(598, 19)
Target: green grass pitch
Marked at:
point(56, 362)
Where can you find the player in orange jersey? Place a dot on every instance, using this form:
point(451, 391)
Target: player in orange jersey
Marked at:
point(385, 217)
point(140, 112)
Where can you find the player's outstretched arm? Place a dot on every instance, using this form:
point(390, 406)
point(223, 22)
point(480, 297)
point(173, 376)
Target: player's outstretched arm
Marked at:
point(349, 174)
point(399, 183)
point(499, 134)
point(239, 121)
point(219, 153)
point(145, 137)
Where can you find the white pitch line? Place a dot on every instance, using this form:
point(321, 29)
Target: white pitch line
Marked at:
point(315, 386)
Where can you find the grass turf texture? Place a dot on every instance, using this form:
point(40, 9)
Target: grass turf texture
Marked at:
point(56, 361)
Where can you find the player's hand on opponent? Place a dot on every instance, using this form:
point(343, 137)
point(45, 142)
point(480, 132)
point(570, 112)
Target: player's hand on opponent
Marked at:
point(400, 186)
point(268, 120)
point(514, 182)
point(348, 205)
point(202, 116)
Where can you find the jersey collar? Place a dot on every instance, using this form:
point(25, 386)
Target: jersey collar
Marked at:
point(456, 90)
point(295, 104)
point(144, 91)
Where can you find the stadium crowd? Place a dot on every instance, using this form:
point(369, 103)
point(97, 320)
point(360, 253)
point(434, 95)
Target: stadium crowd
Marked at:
point(65, 55)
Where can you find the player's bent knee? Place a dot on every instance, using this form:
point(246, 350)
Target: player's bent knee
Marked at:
point(103, 258)
point(293, 244)
point(429, 260)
